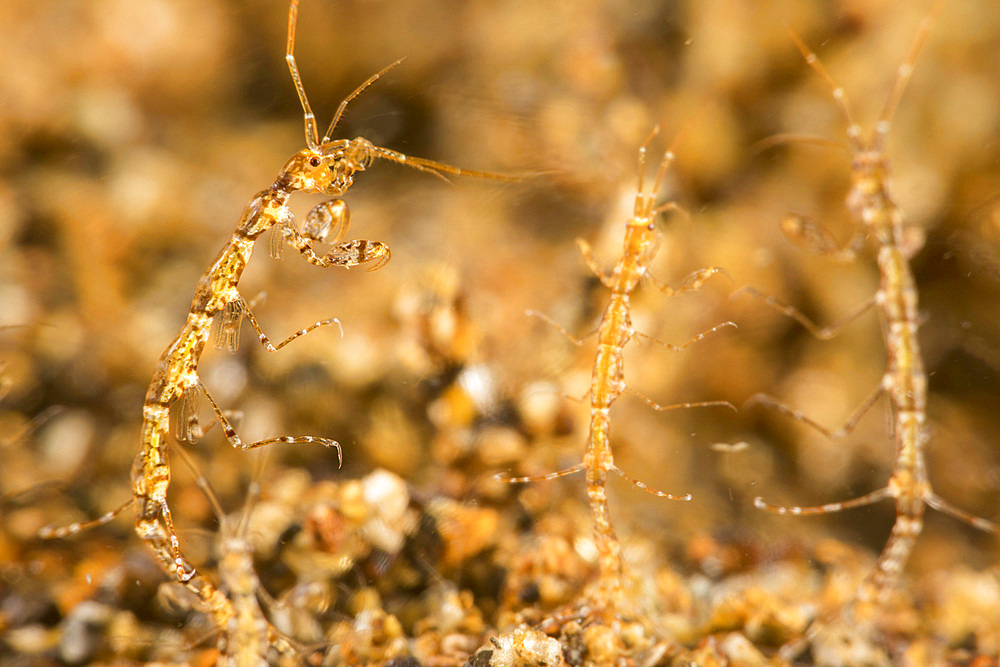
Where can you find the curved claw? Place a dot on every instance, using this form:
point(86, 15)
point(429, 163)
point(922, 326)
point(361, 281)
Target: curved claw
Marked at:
point(816, 239)
point(329, 216)
point(358, 252)
point(383, 257)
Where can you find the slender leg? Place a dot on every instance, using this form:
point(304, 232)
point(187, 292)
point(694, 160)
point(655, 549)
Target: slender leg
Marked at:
point(186, 422)
point(58, 532)
point(867, 499)
point(692, 281)
point(843, 431)
point(266, 342)
point(693, 339)
point(942, 505)
point(648, 489)
point(817, 239)
point(823, 333)
point(504, 477)
point(676, 406)
point(555, 325)
point(235, 441)
point(592, 264)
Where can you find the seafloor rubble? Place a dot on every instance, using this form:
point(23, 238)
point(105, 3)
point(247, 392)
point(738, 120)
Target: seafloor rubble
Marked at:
point(132, 133)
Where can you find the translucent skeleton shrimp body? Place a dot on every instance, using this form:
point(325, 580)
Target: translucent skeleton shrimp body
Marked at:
point(641, 243)
point(325, 166)
point(248, 638)
point(904, 382)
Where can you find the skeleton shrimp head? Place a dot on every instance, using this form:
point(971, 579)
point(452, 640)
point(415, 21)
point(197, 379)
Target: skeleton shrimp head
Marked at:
point(868, 200)
point(328, 168)
point(642, 239)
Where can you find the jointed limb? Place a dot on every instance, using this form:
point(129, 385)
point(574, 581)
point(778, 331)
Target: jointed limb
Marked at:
point(592, 263)
point(266, 342)
point(693, 339)
point(346, 254)
point(186, 420)
point(867, 499)
point(358, 253)
point(664, 408)
point(504, 477)
point(823, 333)
point(227, 324)
point(57, 532)
point(642, 486)
point(943, 506)
point(558, 327)
point(692, 281)
point(236, 442)
point(817, 239)
point(843, 431)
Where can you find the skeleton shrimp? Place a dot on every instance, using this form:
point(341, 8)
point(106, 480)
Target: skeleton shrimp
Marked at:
point(608, 377)
point(247, 637)
point(905, 381)
point(325, 166)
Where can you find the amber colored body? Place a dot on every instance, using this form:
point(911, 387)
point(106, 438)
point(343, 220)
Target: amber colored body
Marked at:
point(878, 217)
point(326, 166)
point(177, 370)
point(608, 378)
point(904, 379)
point(607, 382)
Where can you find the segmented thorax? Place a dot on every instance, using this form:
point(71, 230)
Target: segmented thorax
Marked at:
point(906, 383)
point(265, 209)
point(247, 630)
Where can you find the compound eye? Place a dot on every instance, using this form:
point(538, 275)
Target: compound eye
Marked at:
point(314, 161)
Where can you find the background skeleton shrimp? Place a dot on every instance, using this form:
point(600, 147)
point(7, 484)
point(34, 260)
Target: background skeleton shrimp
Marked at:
point(905, 382)
point(247, 636)
point(607, 383)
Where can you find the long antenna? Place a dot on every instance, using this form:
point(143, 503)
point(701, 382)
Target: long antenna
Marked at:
point(439, 169)
point(312, 132)
point(357, 91)
point(904, 73)
point(853, 129)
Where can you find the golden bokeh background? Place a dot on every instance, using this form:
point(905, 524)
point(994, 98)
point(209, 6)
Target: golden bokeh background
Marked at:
point(132, 133)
